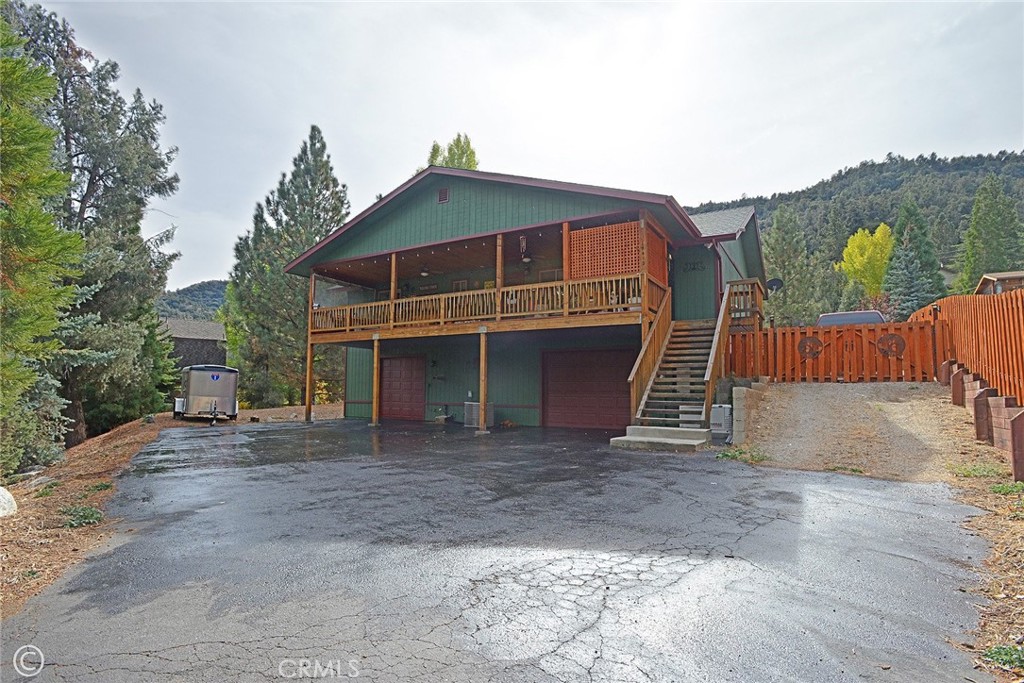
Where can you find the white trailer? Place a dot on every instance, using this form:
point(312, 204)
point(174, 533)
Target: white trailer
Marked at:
point(208, 391)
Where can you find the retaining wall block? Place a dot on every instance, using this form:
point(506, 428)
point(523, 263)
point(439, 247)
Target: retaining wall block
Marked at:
point(956, 385)
point(982, 414)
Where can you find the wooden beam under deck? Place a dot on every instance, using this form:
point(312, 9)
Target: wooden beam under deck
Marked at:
point(552, 323)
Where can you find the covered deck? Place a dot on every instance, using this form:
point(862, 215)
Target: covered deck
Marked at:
point(605, 270)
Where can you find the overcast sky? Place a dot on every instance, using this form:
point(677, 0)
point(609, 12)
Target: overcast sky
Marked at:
point(702, 101)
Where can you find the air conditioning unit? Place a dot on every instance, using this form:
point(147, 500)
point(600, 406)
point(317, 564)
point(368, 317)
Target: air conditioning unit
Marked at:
point(721, 420)
point(473, 415)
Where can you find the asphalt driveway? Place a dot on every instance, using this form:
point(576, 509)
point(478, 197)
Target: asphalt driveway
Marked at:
point(423, 553)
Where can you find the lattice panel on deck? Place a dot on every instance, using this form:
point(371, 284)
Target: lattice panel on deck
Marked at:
point(657, 258)
point(607, 250)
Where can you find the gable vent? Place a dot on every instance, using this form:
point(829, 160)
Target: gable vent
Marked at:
point(442, 195)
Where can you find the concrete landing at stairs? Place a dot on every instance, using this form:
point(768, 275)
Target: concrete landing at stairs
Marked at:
point(671, 439)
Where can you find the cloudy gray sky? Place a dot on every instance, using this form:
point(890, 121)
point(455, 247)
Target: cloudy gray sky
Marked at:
point(702, 101)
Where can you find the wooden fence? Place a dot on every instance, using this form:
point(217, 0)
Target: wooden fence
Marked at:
point(889, 352)
point(986, 334)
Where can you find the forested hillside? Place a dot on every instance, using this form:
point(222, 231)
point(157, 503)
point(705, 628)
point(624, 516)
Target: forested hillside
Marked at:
point(196, 302)
point(870, 193)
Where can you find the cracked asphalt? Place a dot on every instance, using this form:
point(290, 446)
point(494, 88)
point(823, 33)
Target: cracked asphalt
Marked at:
point(424, 553)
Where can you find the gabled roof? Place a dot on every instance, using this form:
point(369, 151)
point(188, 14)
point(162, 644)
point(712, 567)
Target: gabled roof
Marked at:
point(727, 222)
point(671, 206)
point(1005, 275)
point(183, 328)
point(998, 277)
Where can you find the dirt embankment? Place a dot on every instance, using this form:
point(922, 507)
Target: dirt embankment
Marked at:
point(36, 547)
point(908, 432)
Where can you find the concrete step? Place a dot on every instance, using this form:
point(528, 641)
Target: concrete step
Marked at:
point(666, 432)
point(637, 443)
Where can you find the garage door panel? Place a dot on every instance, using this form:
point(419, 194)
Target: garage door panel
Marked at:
point(403, 388)
point(587, 388)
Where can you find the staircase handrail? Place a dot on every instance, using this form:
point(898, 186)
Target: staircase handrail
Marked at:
point(716, 359)
point(657, 339)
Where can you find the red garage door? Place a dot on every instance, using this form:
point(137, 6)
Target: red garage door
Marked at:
point(587, 388)
point(403, 388)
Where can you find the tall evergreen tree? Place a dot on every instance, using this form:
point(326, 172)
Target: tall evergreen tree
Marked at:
point(35, 255)
point(905, 283)
point(110, 149)
point(993, 241)
point(458, 154)
point(265, 308)
point(911, 224)
point(786, 257)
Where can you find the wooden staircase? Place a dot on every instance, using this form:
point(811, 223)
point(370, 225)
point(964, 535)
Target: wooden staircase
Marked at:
point(676, 394)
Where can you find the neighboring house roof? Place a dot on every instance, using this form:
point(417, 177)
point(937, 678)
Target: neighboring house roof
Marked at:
point(300, 265)
point(183, 328)
point(998, 277)
point(727, 222)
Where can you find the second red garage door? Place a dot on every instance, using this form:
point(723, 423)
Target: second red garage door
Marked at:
point(403, 388)
point(587, 388)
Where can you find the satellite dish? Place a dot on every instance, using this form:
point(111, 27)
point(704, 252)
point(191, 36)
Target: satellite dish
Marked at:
point(774, 285)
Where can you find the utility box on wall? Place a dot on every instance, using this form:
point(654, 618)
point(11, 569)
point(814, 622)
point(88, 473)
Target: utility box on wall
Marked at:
point(473, 415)
point(721, 420)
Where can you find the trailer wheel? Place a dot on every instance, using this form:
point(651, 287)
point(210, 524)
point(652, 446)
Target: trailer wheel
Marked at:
point(176, 416)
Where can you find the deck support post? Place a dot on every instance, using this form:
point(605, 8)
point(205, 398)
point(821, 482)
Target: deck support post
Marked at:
point(309, 382)
point(499, 275)
point(565, 269)
point(309, 348)
point(482, 427)
point(375, 401)
point(394, 289)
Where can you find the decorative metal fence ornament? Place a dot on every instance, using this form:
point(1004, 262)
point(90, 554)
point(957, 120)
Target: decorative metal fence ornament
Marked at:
point(890, 345)
point(810, 348)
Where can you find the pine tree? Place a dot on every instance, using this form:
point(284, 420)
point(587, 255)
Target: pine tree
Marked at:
point(905, 284)
point(265, 308)
point(35, 255)
point(993, 241)
point(109, 147)
point(458, 154)
point(786, 257)
point(911, 224)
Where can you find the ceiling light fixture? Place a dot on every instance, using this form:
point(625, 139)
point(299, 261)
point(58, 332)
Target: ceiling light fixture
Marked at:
point(524, 255)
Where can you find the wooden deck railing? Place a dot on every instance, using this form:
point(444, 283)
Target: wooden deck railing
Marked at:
point(986, 335)
point(611, 294)
point(642, 376)
point(655, 295)
point(541, 299)
point(746, 304)
point(716, 359)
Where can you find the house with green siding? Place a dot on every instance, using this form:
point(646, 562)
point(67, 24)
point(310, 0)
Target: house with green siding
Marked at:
point(492, 298)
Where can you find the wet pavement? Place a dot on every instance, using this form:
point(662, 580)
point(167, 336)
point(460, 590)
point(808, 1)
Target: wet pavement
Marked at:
point(424, 553)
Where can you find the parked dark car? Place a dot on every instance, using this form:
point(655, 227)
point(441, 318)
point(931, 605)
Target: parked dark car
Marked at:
point(849, 318)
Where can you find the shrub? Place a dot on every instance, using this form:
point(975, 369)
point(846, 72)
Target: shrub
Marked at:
point(81, 515)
